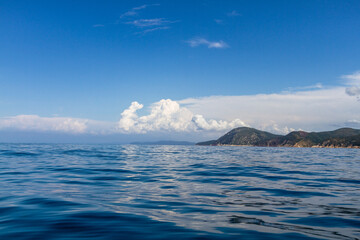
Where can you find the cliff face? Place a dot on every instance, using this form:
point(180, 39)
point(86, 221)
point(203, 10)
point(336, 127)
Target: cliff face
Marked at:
point(343, 137)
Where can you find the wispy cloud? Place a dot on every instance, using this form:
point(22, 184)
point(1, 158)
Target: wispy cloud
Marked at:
point(153, 29)
point(151, 25)
point(352, 79)
point(315, 86)
point(149, 22)
point(98, 25)
point(146, 25)
point(195, 42)
point(233, 13)
point(135, 11)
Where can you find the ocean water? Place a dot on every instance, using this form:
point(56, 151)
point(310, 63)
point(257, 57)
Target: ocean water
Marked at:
point(178, 192)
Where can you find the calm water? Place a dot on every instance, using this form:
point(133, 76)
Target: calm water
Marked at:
point(178, 192)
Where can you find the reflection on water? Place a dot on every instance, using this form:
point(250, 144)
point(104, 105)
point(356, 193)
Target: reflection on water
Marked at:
point(178, 192)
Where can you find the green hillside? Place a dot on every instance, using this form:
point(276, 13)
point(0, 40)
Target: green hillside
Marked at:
point(244, 136)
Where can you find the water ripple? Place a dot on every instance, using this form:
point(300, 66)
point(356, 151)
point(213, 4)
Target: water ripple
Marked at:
point(55, 191)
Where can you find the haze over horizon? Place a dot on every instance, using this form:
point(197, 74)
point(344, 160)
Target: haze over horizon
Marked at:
point(93, 72)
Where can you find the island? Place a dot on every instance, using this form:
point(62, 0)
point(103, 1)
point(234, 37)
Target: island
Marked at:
point(245, 136)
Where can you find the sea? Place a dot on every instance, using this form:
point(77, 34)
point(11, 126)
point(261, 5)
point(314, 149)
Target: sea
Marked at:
point(68, 191)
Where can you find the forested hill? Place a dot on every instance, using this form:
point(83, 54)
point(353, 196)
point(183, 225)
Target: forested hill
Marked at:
point(244, 136)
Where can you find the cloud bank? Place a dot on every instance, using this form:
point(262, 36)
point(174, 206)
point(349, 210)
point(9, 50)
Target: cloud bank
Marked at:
point(36, 123)
point(313, 108)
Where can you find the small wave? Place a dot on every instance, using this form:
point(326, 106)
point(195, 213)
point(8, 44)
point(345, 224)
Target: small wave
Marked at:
point(50, 203)
point(307, 230)
point(284, 192)
point(18, 153)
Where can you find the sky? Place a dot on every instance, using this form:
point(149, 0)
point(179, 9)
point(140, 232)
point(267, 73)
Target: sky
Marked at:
point(122, 71)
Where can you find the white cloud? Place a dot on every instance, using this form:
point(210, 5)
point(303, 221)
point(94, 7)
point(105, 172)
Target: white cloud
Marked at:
point(68, 125)
point(129, 116)
point(168, 115)
point(195, 42)
point(146, 25)
point(354, 121)
point(36, 123)
point(312, 110)
point(353, 80)
point(311, 87)
point(211, 124)
point(98, 25)
point(153, 29)
point(135, 11)
point(353, 91)
point(151, 25)
point(149, 22)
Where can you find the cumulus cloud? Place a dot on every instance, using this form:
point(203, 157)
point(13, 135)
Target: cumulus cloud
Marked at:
point(195, 42)
point(36, 123)
point(212, 124)
point(129, 116)
point(168, 115)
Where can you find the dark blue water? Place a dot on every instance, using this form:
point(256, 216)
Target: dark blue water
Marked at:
point(178, 192)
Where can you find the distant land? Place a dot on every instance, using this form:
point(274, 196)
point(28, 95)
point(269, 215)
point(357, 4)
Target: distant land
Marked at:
point(164, 142)
point(244, 136)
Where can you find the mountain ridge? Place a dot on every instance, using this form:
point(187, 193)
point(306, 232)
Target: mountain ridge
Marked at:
point(245, 136)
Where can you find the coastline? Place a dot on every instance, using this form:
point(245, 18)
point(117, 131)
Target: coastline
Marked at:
point(315, 146)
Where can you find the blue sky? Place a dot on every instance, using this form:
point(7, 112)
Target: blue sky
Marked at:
point(90, 60)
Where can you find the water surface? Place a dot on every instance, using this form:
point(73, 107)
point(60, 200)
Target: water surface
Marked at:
point(178, 192)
